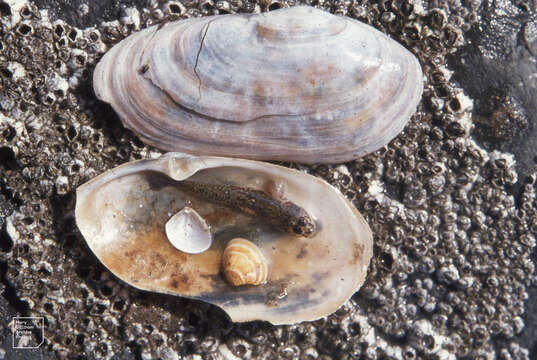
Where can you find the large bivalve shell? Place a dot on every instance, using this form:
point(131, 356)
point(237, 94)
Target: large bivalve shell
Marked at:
point(123, 212)
point(294, 84)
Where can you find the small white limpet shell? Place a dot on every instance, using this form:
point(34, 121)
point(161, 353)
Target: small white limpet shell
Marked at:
point(188, 232)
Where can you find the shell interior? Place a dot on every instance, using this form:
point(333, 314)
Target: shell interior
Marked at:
point(123, 212)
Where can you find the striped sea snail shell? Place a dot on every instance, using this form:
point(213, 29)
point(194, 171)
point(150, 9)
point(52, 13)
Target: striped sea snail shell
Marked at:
point(243, 263)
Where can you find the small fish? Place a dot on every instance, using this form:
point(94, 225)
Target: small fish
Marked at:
point(284, 215)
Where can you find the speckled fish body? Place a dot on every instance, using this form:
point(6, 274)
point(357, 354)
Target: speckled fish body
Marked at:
point(284, 215)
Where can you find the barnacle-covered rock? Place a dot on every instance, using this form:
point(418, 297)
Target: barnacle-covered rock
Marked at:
point(122, 214)
point(294, 84)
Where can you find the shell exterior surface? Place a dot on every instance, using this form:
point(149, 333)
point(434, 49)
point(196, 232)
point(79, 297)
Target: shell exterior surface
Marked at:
point(187, 231)
point(243, 263)
point(293, 84)
point(122, 215)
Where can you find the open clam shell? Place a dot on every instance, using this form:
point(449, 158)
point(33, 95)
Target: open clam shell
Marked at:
point(122, 215)
point(294, 84)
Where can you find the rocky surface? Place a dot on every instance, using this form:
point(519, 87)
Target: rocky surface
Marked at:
point(453, 267)
point(496, 68)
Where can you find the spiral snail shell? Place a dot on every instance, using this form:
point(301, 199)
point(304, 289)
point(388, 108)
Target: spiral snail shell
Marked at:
point(243, 263)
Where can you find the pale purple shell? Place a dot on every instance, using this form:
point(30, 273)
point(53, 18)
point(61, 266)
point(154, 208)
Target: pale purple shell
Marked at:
point(295, 84)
